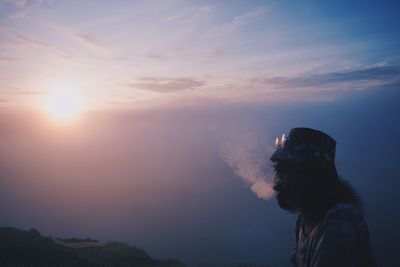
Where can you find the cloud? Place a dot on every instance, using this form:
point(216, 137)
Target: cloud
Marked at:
point(214, 52)
point(355, 78)
point(28, 40)
point(242, 20)
point(17, 3)
point(20, 14)
point(22, 37)
point(167, 85)
point(156, 57)
point(311, 87)
point(90, 40)
point(23, 7)
point(27, 92)
point(188, 15)
point(42, 2)
point(6, 58)
point(24, 3)
point(31, 41)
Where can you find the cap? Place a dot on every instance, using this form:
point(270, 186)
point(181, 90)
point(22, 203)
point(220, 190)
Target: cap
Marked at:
point(303, 144)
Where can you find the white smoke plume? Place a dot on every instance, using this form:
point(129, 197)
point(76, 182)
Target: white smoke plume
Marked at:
point(247, 153)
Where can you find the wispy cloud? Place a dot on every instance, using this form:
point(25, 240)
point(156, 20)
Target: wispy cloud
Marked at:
point(188, 15)
point(7, 58)
point(22, 14)
point(156, 57)
point(27, 92)
point(18, 3)
point(42, 2)
point(27, 40)
point(243, 19)
point(213, 52)
point(24, 3)
point(22, 38)
point(312, 87)
point(24, 7)
point(89, 40)
point(167, 85)
point(366, 77)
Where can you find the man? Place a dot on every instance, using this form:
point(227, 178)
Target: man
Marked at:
point(330, 229)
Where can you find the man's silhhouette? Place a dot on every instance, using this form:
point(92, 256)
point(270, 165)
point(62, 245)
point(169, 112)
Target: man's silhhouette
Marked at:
point(330, 229)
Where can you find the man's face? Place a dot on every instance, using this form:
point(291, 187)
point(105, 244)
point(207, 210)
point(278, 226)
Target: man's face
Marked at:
point(282, 184)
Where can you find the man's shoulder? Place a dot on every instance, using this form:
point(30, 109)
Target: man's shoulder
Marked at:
point(343, 220)
point(344, 212)
point(342, 239)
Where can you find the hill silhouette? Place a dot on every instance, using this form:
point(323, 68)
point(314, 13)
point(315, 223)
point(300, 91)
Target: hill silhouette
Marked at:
point(29, 248)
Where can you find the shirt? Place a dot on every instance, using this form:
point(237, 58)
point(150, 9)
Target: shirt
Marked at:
point(341, 238)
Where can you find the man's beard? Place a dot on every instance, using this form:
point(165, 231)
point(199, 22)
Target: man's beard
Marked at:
point(284, 201)
point(284, 191)
point(283, 195)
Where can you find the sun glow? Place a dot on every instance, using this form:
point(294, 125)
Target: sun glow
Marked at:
point(63, 104)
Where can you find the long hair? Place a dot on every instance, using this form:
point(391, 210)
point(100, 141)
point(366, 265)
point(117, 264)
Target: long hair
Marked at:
point(315, 188)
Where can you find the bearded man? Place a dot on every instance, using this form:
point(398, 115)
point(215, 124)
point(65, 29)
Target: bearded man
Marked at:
point(330, 229)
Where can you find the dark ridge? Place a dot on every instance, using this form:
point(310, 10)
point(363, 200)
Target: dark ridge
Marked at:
point(29, 248)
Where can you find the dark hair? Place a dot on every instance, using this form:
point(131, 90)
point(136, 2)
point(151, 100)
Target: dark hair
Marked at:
point(315, 188)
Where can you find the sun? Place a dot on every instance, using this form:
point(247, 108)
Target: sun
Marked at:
point(63, 104)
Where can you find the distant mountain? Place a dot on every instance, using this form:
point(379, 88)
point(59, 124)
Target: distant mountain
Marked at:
point(21, 248)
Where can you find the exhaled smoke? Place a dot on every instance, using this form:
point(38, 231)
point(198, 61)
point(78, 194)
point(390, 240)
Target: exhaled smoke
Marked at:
point(247, 153)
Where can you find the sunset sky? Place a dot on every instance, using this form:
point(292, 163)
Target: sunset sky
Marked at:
point(119, 53)
point(172, 109)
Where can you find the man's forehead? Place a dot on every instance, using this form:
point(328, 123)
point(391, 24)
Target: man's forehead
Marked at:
point(280, 155)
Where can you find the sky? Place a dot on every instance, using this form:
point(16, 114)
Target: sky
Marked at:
point(129, 52)
point(179, 106)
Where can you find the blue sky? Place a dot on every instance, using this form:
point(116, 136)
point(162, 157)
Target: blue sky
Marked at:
point(126, 53)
